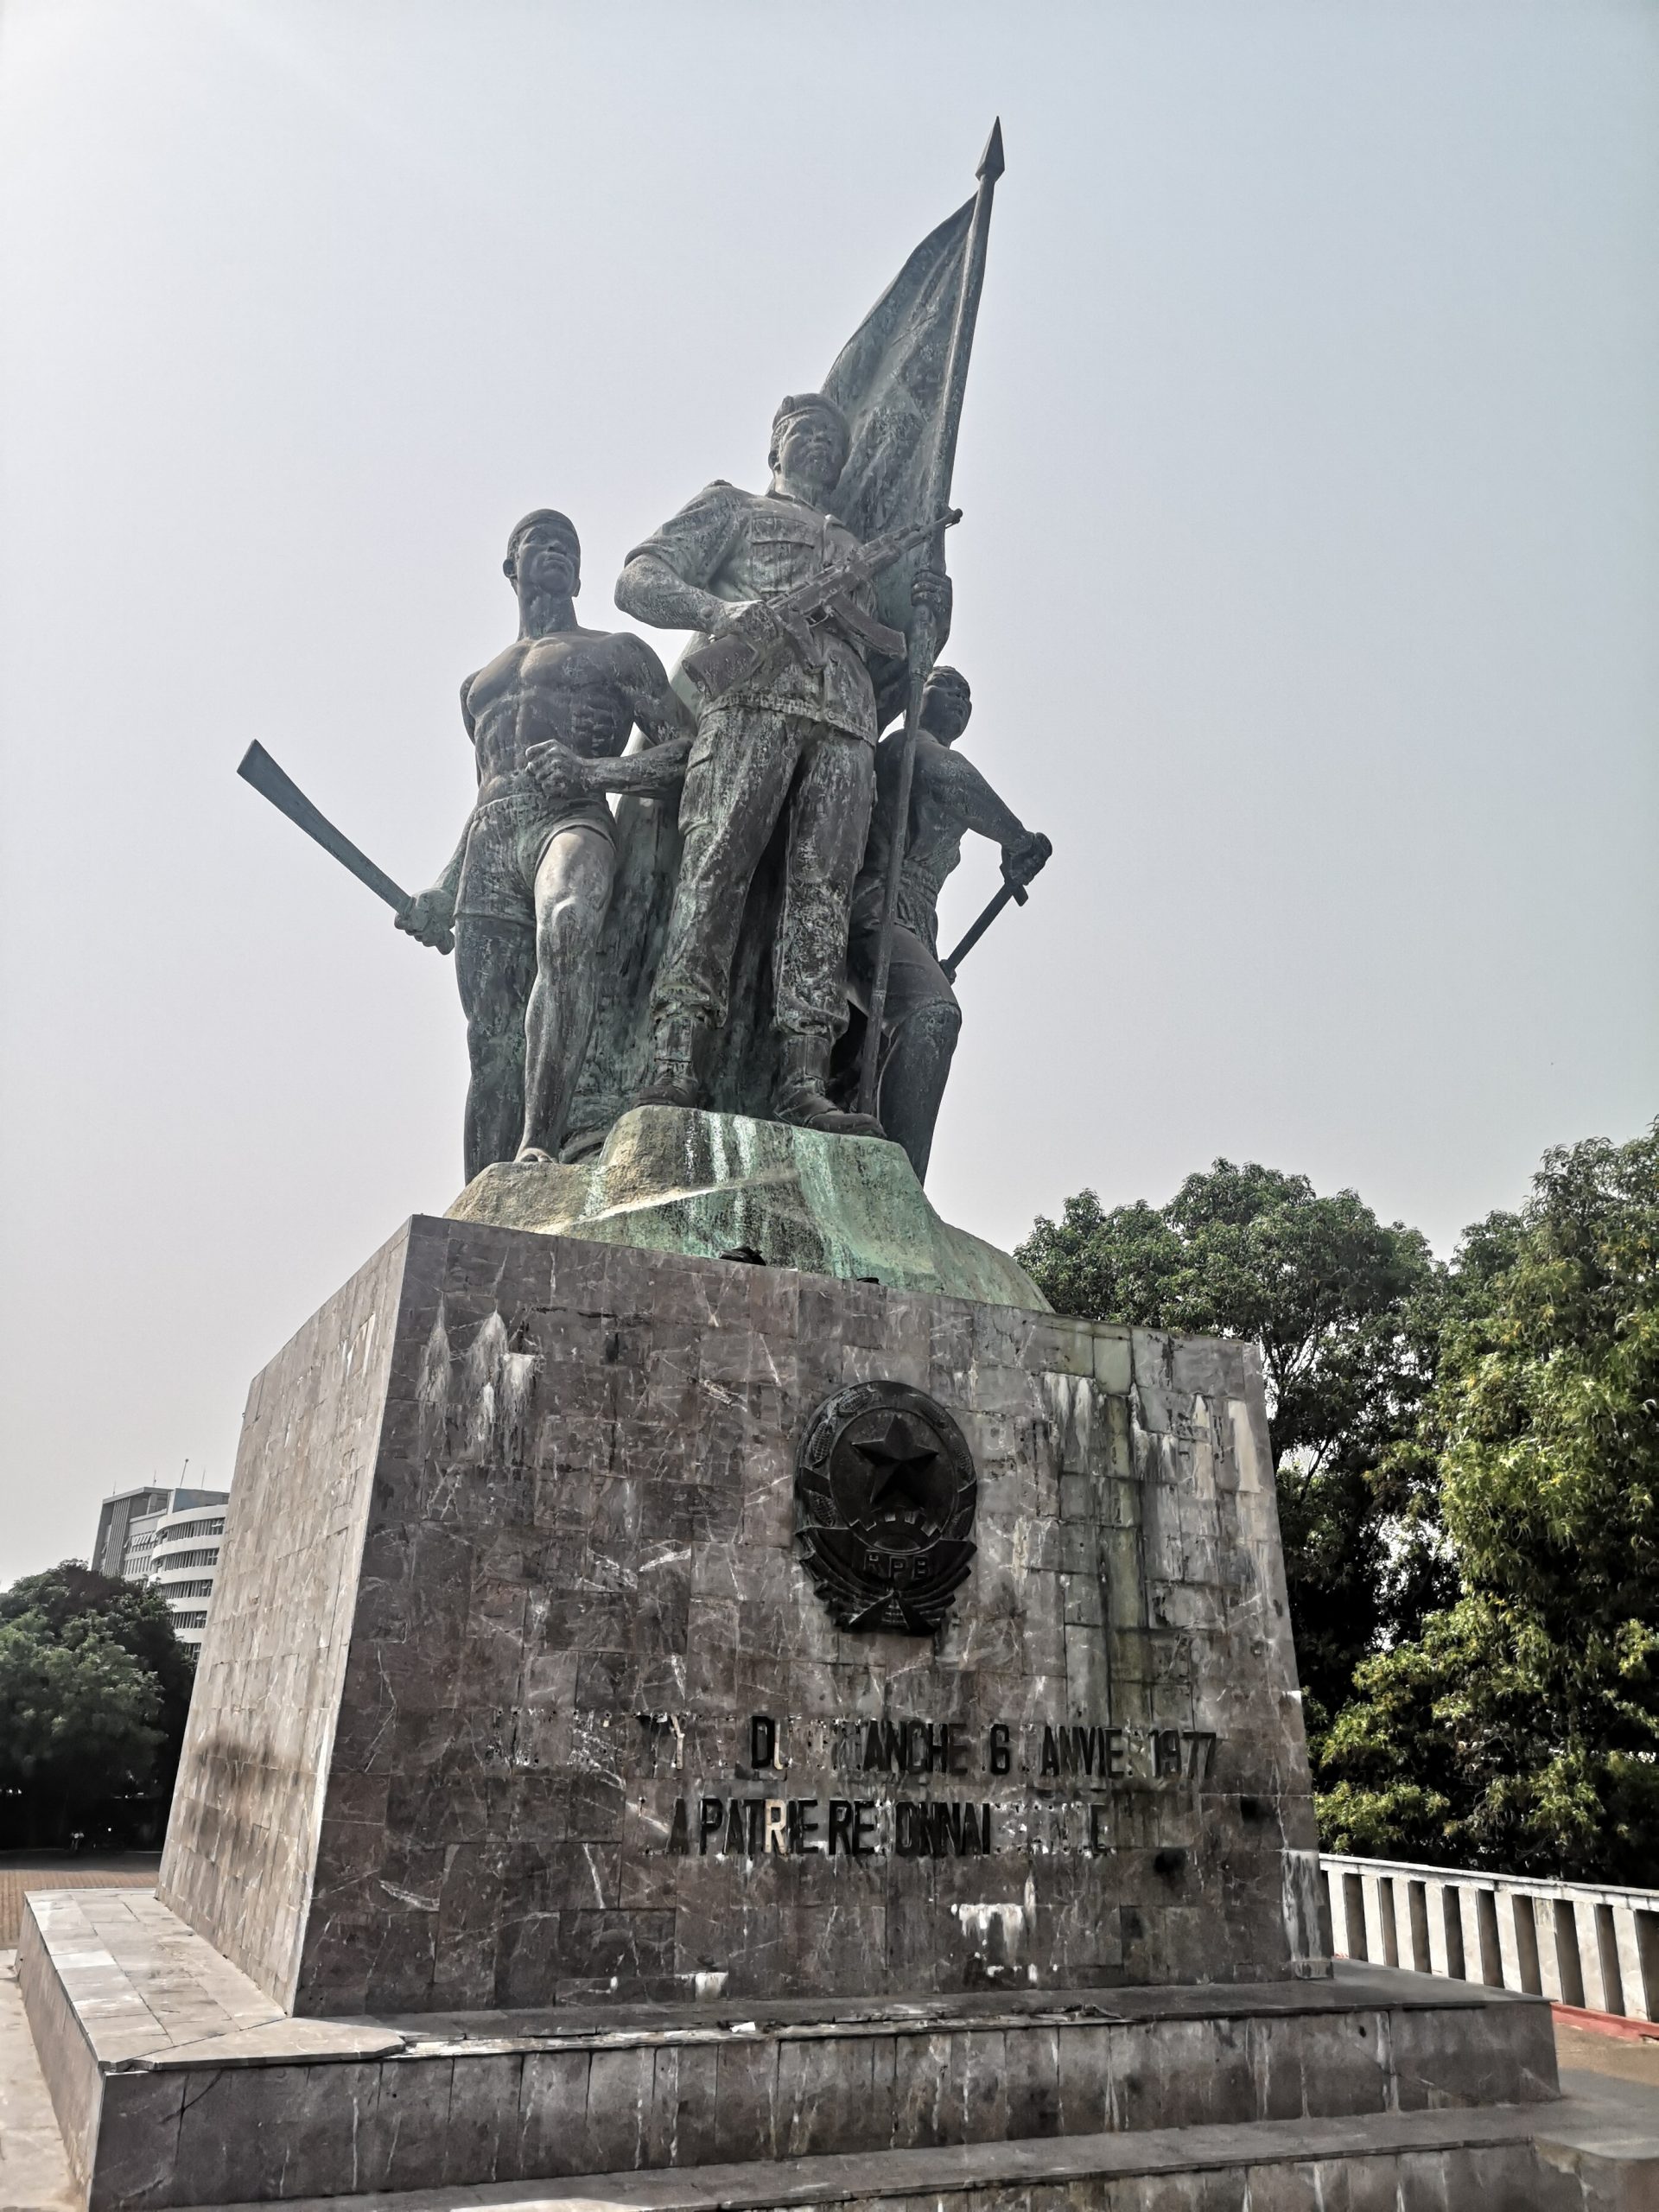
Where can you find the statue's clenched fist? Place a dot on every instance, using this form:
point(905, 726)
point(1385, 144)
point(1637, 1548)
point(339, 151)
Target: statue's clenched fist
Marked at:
point(931, 588)
point(1026, 857)
point(430, 918)
point(562, 777)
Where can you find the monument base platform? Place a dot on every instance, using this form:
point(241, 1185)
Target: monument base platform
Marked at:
point(713, 1185)
point(1423, 2162)
point(177, 2082)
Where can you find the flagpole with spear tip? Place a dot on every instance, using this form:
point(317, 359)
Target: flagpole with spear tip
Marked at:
point(922, 644)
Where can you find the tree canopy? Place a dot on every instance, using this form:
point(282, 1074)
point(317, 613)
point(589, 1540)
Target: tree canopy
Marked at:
point(1467, 1460)
point(94, 1687)
point(1340, 1306)
point(1521, 1729)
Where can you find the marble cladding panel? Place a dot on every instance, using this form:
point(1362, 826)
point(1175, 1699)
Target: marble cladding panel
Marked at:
point(573, 1585)
point(240, 1846)
point(67, 2058)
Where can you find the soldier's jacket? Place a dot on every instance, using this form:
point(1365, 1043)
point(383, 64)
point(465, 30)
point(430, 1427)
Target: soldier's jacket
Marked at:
point(740, 545)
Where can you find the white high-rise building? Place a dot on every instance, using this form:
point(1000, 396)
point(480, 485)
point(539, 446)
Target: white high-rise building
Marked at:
point(168, 1537)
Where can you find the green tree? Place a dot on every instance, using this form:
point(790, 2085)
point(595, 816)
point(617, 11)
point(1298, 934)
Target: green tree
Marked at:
point(1520, 1730)
point(94, 1687)
point(1343, 1311)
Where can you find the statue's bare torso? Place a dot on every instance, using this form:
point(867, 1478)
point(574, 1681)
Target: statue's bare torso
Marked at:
point(580, 688)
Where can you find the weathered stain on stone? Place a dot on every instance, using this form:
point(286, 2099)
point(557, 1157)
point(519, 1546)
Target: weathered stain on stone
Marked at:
point(671, 1179)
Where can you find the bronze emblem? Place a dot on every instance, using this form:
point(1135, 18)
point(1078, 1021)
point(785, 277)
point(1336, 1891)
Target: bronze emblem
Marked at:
point(884, 1501)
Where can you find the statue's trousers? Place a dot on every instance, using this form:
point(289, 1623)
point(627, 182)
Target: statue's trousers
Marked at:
point(747, 764)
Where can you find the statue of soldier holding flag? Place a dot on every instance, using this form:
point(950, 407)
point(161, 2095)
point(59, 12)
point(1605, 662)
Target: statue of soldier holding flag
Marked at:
point(784, 756)
point(795, 741)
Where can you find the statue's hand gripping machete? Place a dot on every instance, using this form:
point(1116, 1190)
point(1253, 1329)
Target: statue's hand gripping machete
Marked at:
point(257, 768)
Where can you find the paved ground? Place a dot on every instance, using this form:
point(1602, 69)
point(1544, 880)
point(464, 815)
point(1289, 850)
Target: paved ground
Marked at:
point(33, 2172)
point(1580, 2050)
point(85, 1870)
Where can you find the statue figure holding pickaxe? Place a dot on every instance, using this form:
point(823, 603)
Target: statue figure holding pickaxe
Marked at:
point(921, 1018)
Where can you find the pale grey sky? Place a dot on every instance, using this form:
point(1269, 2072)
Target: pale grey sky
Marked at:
point(1311, 471)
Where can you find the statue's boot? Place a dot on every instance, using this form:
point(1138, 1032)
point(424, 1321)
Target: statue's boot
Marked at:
point(914, 1071)
point(679, 1054)
point(802, 1095)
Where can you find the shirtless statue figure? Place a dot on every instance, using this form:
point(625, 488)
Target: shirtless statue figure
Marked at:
point(922, 1019)
point(529, 885)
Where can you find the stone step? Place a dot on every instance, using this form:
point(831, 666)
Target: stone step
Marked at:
point(1604, 2136)
point(1455, 2161)
point(175, 2080)
point(1605, 2132)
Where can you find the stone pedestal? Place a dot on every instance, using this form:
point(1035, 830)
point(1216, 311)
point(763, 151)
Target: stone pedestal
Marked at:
point(566, 1789)
point(517, 1691)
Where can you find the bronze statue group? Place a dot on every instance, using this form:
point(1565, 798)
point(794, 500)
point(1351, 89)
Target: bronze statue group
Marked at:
point(716, 942)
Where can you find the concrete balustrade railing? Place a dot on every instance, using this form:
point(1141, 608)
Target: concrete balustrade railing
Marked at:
point(1566, 1941)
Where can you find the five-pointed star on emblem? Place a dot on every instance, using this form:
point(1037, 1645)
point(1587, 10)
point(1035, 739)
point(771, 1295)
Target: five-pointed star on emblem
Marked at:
point(897, 1464)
